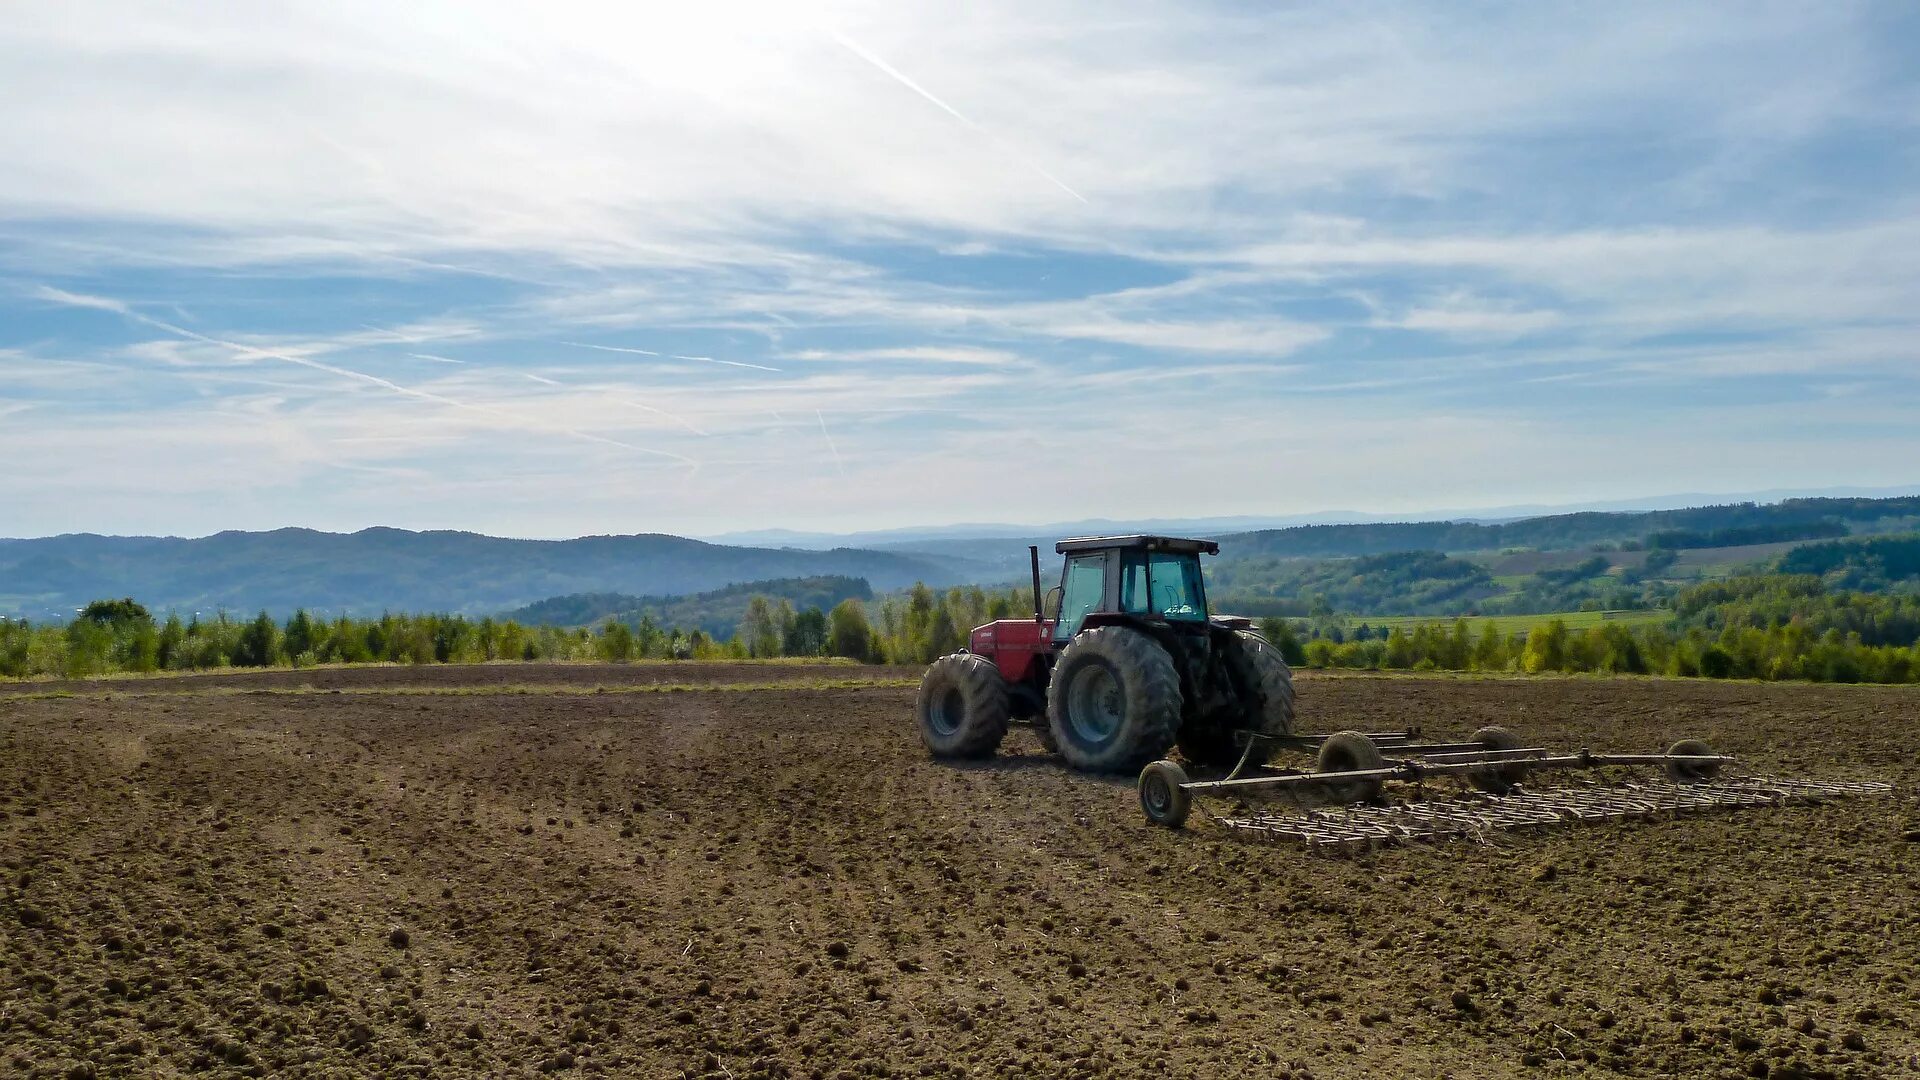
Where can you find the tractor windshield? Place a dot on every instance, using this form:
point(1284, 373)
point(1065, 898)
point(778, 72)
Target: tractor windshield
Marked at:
point(1165, 585)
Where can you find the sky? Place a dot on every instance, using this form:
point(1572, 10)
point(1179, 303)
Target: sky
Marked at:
point(577, 268)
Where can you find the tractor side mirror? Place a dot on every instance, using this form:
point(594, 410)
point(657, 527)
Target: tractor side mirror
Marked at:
point(1053, 603)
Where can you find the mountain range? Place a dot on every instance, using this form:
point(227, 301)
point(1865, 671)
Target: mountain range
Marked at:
point(380, 569)
point(375, 570)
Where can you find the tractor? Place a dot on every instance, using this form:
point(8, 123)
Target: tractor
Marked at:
point(1121, 662)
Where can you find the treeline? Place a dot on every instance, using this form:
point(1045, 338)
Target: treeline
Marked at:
point(1767, 627)
point(1775, 653)
point(1404, 582)
point(1764, 627)
point(110, 636)
point(121, 636)
point(914, 627)
point(1740, 536)
point(1874, 564)
point(1567, 530)
point(717, 612)
point(1430, 583)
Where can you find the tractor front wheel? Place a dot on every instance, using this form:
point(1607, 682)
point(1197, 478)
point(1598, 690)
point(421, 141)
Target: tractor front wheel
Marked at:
point(1114, 702)
point(963, 707)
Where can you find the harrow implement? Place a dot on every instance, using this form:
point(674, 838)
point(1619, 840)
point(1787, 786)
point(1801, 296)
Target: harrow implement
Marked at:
point(1353, 768)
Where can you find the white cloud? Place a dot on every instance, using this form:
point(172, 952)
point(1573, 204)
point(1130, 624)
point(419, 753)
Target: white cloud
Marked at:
point(650, 134)
point(678, 231)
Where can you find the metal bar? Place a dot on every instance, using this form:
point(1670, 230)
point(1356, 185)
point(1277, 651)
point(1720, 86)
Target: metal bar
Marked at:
point(1428, 749)
point(1379, 738)
point(1481, 753)
point(1654, 759)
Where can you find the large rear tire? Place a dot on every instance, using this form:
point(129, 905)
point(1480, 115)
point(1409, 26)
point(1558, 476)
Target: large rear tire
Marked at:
point(1114, 703)
point(962, 707)
point(1214, 744)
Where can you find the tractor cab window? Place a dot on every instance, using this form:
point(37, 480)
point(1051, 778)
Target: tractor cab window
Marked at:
point(1165, 585)
point(1083, 587)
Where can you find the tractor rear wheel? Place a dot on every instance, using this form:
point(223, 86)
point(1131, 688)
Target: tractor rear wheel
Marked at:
point(1114, 703)
point(963, 707)
point(1212, 742)
point(1350, 751)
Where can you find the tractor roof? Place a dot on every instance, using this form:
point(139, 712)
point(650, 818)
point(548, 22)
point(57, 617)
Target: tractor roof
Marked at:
point(1138, 540)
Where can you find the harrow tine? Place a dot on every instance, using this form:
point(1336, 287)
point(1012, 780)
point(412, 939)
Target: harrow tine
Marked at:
point(1476, 816)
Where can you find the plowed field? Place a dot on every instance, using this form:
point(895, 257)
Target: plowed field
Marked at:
point(505, 873)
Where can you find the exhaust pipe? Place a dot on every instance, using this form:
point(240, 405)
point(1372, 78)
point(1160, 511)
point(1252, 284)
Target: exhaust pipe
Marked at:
point(1033, 553)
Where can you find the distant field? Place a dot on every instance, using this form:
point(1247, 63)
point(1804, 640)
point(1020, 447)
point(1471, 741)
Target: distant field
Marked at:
point(1516, 565)
point(1509, 624)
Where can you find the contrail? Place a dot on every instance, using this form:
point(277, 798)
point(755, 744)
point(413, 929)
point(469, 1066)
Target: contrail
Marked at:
point(729, 363)
point(670, 356)
point(856, 49)
point(643, 406)
point(430, 356)
point(675, 417)
point(609, 348)
point(250, 352)
point(838, 464)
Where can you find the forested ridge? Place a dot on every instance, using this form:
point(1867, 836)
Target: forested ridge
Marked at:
point(377, 570)
point(381, 569)
point(1839, 608)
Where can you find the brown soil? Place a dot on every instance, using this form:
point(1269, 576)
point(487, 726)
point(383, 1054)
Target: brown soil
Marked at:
point(474, 676)
point(779, 883)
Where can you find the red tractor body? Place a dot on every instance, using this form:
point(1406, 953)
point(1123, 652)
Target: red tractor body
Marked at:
point(1018, 647)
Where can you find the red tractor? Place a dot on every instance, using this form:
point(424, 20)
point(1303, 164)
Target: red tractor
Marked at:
point(1120, 664)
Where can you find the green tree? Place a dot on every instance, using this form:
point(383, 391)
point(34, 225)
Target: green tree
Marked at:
point(115, 612)
point(847, 631)
point(299, 635)
point(1280, 633)
point(258, 644)
point(808, 635)
point(615, 641)
point(1490, 652)
point(1546, 648)
point(759, 633)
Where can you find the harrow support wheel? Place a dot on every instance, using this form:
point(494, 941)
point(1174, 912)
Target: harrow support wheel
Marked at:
point(1350, 751)
point(1163, 794)
point(1502, 778)
point(1687, 772)
point(1114, 702)
point(962, 707)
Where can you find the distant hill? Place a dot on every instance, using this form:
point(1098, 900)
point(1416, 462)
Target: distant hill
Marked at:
point(1868, 564)
point(1697, 526)
point(717, 612)
point(395, 570)
point(934, 537)
point(1003, 558)
point(466, 573)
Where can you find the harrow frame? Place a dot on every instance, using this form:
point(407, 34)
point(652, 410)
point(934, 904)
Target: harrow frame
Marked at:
point(1166, 792)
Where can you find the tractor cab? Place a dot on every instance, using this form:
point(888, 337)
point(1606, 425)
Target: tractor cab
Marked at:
point(1108, 579)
